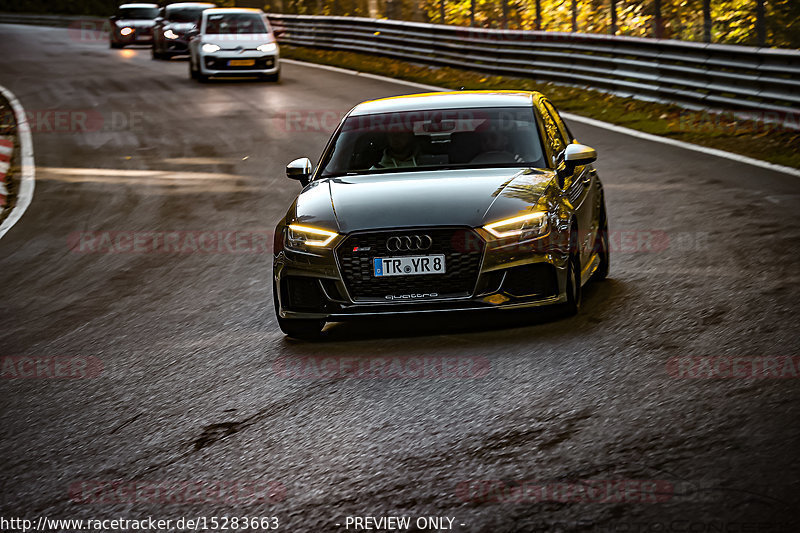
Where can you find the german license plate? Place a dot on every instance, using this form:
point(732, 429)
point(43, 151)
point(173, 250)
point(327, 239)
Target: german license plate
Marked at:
point(241, 62)
point(413, 265)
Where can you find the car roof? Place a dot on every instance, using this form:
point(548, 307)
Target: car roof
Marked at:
point(138, 5)
point(447, 100)
point(181, 5)
point(222, 10)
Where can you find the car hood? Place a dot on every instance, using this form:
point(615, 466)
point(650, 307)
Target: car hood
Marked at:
point(180, 26)
point(136, 23)
point(241, 40)
point(469, 197)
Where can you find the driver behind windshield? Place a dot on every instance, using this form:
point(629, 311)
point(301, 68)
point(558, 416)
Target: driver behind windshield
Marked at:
point(401, 151)
point(495, 147)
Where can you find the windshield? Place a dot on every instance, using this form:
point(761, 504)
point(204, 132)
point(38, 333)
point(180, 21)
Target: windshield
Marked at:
point(138, 13)
point(454, 138)
point(235, 23)
point(185, 14)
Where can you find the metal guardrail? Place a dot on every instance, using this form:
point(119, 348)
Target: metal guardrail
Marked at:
point(45, 20)
point(693, 75)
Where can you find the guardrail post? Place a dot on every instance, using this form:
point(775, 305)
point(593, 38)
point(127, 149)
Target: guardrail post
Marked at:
point(538, 15)
point(658, 23)
point(761, 34)
point(613, 29)
point(574, 15)
point(707, 21)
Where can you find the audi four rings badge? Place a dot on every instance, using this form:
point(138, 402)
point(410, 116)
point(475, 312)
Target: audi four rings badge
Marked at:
point(408, 243)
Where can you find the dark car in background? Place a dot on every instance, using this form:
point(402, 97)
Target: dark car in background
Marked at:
point(132, 24)
point(441, 202)
point(172, 25)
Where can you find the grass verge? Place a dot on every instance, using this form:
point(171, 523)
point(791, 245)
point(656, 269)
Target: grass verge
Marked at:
point(753, 138)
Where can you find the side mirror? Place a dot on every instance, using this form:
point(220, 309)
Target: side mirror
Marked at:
point(113, 18)
point(579, 154)
point(574, 155)
point(192, 33)
point(300, 170)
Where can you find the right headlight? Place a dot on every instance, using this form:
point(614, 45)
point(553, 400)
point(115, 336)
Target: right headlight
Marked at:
point(300, 237)
point(210, 48)
point(527, 226)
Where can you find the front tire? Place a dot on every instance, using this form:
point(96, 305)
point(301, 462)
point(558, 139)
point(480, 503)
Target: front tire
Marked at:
point(574, 291)
point(195, 73)
point(271, 77)
point(603, 250)
point(112, 44)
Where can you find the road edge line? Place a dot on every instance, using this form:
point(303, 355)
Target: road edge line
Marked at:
point(28, 179)
point(585, 120)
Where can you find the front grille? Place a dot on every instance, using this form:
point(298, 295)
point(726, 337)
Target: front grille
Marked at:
point(261, 63)
point(462, 248)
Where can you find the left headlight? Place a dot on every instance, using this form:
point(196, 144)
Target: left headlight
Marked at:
point(169, 34)
point(298, 236)
point(528, 226)
point(210, 48)
point(268, 47)
point(126, 30)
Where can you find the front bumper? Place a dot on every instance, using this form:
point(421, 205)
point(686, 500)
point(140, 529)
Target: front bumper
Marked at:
point(313, 285)
point(139, 36)
point(218, 64)
point(177, 46)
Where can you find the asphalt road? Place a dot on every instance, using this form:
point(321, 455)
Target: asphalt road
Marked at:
point(189, 389)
